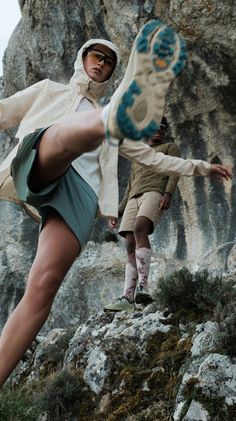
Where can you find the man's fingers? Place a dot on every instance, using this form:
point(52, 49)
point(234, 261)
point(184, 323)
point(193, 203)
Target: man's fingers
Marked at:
point(164, 206)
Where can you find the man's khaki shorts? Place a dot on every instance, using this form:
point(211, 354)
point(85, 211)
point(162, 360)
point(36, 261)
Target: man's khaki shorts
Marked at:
point(145, 205)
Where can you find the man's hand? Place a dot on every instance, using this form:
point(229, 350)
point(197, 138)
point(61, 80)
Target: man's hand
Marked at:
point(112, 222)
point(165, 201)
point(218, 171)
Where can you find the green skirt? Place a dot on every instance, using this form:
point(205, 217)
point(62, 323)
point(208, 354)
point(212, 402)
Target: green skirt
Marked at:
point(70, 196)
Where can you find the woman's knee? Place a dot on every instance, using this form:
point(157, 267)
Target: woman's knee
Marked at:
point(43, 285)
point(58, 139)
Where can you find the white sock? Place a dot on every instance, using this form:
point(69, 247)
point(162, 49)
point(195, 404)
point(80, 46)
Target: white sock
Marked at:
point(143, 260)
point(131, 276)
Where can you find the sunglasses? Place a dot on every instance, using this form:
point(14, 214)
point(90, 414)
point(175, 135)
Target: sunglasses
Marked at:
point(97, 56)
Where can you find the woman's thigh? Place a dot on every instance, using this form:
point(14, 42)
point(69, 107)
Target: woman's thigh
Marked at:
point(63, 142)
point(51, 160)
point(57, 249)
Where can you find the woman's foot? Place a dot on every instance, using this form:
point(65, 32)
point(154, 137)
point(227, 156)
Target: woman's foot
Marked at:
point(137, 106)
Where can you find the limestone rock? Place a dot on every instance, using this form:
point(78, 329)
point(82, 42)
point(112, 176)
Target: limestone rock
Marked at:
point(212, 376)
point(231, 262)
point(196, 412)
point(109, 341)
point(204, 339)
point(50, 353)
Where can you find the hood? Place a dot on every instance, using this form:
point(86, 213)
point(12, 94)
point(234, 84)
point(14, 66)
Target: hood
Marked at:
point(80, 80)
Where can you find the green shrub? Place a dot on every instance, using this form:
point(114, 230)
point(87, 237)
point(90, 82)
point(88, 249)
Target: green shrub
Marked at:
point(60, 395)
point(226, 318)
point(195, 294)
point(108, 236)
point(17, 406)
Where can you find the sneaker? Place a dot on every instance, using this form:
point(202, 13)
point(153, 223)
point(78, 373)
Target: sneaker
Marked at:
point(137, 106)
point(143, 295)
point(121, 304)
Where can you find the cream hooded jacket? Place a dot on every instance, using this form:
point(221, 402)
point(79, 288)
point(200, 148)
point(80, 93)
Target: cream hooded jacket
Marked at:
point(46, 102)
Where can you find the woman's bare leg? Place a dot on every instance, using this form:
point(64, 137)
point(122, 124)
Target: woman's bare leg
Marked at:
point(63, 142)
point(57, 250)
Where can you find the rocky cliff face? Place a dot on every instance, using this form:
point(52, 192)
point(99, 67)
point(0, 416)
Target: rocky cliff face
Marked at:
point(199, 230)
point(200, 227)
point(148, 365)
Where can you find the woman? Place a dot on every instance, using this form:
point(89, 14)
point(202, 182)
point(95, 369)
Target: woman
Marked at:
point(64, 169)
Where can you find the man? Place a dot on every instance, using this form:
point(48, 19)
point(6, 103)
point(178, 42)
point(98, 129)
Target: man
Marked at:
point(146, 197)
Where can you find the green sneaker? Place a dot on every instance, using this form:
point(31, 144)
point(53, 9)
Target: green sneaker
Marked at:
point(121, 304)
point(143, 295)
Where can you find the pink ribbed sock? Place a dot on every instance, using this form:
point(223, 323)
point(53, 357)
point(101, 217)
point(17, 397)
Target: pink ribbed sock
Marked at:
point(131, 276)
point(143, 259)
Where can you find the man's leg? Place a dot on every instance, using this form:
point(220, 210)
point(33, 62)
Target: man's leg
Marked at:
point(127, 230)
point(148, 216)
point(57, 250)
point(142, 228)
point(126, 302)
point(130, 268)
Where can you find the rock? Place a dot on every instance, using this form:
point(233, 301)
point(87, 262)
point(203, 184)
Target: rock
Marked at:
point(204, 340)
point(109, 341)
point(217, 376)
point(231, 262)
point(211, 377)
point(95, 279)
point(96, 370)
point(196, 412)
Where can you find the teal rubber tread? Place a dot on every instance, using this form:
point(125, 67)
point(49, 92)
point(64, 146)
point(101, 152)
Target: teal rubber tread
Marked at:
point(164, 49)
point(163, 54)
point(178, 67)
point(143, 41)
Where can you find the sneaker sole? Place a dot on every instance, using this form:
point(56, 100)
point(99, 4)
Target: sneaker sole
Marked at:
point(159, 55)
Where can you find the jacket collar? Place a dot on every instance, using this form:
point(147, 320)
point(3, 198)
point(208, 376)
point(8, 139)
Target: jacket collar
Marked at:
point(82, 82)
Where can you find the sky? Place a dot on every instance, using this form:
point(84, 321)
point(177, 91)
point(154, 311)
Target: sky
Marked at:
point(9, 17)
